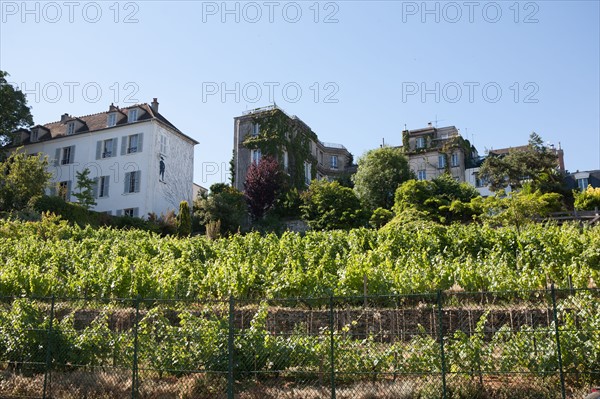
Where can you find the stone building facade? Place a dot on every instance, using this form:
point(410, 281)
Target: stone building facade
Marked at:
point(433, 151)
point(303, 157)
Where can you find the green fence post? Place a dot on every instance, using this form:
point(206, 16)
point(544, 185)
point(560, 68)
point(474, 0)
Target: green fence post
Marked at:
point(48, 350)
point(332, 347)
point(230, 348)
point(441, 337)
point(557, 334)
point(135, 350)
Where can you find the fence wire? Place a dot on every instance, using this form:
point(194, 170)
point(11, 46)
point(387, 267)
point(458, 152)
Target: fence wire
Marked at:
point(542, 344)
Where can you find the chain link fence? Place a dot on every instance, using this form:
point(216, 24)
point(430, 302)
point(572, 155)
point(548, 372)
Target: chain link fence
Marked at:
point(541, 344)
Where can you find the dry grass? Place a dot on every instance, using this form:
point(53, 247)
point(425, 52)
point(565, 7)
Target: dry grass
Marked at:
point(117, 384)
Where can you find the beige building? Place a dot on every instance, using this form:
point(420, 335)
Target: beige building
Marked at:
point(271, 131)
point(432, 151)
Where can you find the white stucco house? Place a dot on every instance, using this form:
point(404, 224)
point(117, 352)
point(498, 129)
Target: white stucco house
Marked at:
point(140, 161)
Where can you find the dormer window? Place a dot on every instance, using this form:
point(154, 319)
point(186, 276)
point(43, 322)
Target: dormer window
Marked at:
point(71, 128)
point(112, 119)
point(34, 135)
point(132, 115)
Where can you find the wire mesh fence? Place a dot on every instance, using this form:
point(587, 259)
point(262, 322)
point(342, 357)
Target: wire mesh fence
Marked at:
point(541, 344)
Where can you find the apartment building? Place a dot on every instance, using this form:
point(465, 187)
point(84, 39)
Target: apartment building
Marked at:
point(433, 151)
point(271, 131)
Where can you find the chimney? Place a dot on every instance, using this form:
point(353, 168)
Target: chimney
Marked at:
point(154, 105)
point(64, 118)
point(112, 108)
point(429, 124)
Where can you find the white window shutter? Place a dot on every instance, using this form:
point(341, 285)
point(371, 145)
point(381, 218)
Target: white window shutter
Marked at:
point(114, 147)
point(68, 191)
point(95, 189)
point(119, 212)
point(98, 149)
point(72, 155)
point(123, 145)
point(127, 182)
point(136, 212)
point(106, 185)
point(57, 157)
point(138, 177)
point(140, 141)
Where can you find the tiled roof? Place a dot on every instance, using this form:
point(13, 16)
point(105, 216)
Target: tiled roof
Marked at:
point(95, 122)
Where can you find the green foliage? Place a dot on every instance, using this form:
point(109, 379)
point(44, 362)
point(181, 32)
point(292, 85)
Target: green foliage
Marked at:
point(184, 220)
point(41, 258)
point(380, 217)
point(535, 164)
point(442, 199)
point(380, 172)
point(288, 204)
point(23, 179)
point(224, 203)
point(518, 208)
point(85, 184)
point(587, 200)
point(328, 206)
point(277, 134)
point(14, 112)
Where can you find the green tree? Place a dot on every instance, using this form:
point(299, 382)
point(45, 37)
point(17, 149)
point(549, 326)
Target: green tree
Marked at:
point(380, 217)
point(23, 179)
point(518, 207)
point(442, 199)
point(380, 172)
point(184, 220)
point(14, 112)
point(224, 204)
point(85, 185)
point(535, 164)
point(328, 205)
point(588, 199)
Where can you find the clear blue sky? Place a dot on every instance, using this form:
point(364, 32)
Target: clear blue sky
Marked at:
point(364, 69)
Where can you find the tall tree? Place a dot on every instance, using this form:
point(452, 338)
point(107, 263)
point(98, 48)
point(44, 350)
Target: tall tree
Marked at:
point(264, 181)
point(184, 220)
point(14, 112)
point(535, 164)
point(85, 185)
point(23, 179)
point(380, 172)
point(328, 205)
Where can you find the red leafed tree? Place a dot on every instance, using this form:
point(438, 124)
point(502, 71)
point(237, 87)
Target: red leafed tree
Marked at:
point(263, 183)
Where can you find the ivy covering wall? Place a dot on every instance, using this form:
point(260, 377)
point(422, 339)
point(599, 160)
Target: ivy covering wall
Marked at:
point(279, 133)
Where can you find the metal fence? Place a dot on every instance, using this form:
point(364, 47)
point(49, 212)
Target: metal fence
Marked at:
point(541, 344)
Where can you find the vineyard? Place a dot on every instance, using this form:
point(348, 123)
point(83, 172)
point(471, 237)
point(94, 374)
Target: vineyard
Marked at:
point(53, 258)
point(410, 311)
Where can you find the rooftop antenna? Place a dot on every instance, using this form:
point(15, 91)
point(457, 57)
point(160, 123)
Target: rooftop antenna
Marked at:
point(436, 120)
point(382, 142)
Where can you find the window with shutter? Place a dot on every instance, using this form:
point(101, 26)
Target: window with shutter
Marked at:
point(112, 120)
point(132, 115)
point(102, 186)
point(132, 182)
point(441, 161)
